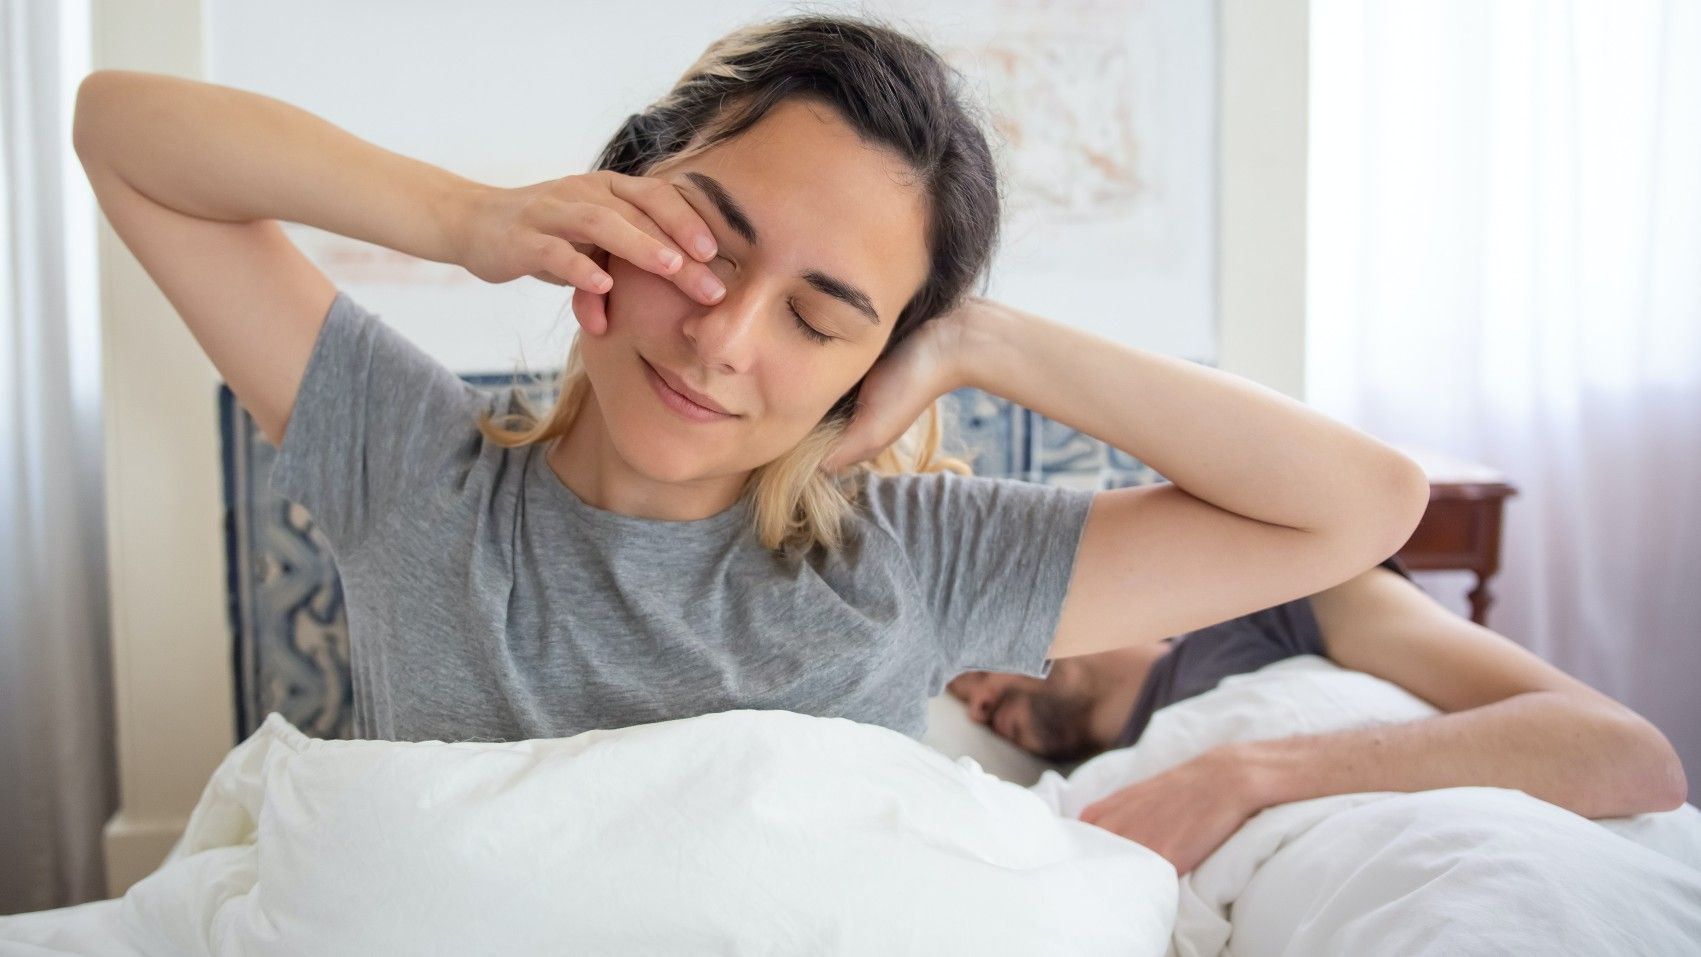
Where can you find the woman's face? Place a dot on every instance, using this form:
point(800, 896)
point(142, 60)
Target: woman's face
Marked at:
point(827, 212)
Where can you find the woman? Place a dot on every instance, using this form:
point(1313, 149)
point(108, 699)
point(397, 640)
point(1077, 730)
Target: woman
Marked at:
point(701, 523)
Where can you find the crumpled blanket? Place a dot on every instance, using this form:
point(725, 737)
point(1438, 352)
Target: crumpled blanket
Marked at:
point(1460, 870)
point(743, 832)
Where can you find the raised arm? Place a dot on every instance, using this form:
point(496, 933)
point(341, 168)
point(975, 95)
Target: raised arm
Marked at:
point(194, 178)
point(1270, 499)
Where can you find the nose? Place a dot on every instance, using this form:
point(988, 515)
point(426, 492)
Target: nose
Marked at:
point(981, 702)
point(724, 335)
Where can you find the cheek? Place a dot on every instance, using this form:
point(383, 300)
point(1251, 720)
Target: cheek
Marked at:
point(817, 376)
point(641, 302)
point(798, 390)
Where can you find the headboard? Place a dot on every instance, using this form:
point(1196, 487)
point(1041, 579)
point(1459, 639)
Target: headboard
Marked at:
point(285, 601)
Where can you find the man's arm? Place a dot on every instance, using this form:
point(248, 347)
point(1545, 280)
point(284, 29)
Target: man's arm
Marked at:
point(1512, 721)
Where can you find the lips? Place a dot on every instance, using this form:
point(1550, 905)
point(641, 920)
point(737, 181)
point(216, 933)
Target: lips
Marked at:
point(676, 384)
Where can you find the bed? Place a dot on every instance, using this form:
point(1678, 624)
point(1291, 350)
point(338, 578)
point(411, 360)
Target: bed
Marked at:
point(774, 832)
point(770, 832)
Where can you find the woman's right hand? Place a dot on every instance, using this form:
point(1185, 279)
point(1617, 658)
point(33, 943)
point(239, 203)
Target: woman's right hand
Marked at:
point(562, 231)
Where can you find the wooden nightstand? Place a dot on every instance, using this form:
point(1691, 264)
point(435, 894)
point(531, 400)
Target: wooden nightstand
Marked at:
point(1461, 529)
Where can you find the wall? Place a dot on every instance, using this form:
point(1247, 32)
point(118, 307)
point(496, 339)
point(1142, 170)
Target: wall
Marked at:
point(1261, 213)
point(170, 643)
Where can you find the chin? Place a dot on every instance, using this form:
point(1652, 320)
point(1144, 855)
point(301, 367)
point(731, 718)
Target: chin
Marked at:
point(675, 469)
point(653, 451)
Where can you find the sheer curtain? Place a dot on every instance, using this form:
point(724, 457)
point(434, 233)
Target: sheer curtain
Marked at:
point(1505, 265)
point(56, 770)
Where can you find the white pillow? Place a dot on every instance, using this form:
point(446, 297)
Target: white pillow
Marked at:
point(744, 832)
point(951, 732)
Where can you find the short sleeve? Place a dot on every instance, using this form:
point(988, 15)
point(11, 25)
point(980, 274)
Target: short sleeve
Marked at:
point(1393, 564)
point(374, 420)
point(993, 557)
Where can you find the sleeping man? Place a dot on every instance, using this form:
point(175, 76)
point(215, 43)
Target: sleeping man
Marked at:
point(1508, 719)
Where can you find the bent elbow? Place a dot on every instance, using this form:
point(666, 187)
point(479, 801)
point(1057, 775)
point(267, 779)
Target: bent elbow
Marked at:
point(1660, 783)
point(1403, 498)
point(1671, 786)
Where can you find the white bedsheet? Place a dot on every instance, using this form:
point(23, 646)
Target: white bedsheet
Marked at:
point(768, 832)
point(747, 832)
point(1462, 870)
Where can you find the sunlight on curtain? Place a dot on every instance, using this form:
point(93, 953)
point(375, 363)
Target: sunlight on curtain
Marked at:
point(57, 784)
point(1505, 265)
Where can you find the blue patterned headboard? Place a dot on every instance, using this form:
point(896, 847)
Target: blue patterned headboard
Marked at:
point(290, 639)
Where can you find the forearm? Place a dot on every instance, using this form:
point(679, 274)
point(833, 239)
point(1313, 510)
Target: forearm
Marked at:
point(225, 154)
point(1593, 758)
point(1221, 438)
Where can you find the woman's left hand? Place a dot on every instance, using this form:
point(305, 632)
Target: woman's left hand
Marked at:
point(901, 385)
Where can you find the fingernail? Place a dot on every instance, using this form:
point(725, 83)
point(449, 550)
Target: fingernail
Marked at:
point(601, 281)
point(705, 247)
point(712, 289)
point(670, 259)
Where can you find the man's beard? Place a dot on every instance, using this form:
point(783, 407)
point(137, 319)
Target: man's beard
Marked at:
point(1059, 722)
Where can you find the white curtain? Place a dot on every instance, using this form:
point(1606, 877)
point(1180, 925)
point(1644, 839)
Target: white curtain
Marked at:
point(1505, 264)
point(56, 768)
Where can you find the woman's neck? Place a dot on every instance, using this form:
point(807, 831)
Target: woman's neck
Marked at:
point(587, 462)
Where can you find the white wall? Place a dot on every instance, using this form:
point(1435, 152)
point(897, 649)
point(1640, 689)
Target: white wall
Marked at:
point(1105, 135)
point(170, 642)
point(170, 636)
point(1261, 252)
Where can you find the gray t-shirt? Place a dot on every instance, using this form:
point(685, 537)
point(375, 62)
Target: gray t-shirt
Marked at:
point(486, 601)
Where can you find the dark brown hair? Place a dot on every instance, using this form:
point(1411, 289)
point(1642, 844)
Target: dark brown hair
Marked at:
point(895, 91)
point(898, 94)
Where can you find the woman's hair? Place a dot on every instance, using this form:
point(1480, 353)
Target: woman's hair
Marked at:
point(899, 95)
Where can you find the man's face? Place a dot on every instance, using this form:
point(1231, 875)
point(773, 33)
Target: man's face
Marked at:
point(1046, 717)
point(829, 213)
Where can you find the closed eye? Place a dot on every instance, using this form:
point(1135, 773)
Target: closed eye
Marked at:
point(805, 327)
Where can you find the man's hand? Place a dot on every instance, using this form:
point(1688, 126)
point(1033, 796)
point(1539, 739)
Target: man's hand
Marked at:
point(1184, 813)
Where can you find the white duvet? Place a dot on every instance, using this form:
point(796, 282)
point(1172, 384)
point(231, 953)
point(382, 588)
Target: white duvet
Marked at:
point(1455, 871)
point(753, 832)
point(744, 832)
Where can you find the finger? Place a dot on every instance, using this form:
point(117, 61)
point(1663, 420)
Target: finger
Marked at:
point(664, 204)
point(557, 257)
point(614, 230)
point(591, 310)
point(630, 233)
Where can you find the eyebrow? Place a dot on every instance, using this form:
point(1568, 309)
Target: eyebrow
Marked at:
point(738, 221)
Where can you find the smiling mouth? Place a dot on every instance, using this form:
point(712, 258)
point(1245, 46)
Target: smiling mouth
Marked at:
point(679, 402)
